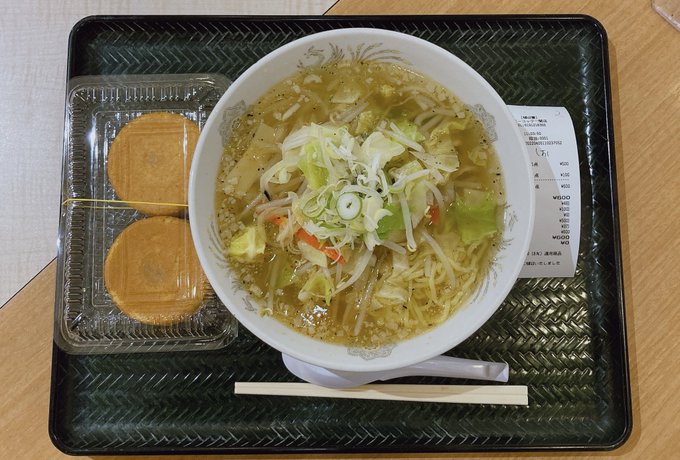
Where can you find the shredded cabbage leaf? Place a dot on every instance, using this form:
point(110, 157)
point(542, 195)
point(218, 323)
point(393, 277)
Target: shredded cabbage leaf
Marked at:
point(371, 174)
point(317, 286)
point(248, 244)
point(475, 215)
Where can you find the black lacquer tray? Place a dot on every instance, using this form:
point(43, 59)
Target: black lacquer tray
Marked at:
point(563, 337)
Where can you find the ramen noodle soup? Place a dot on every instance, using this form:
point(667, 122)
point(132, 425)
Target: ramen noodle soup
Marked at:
point(359, 202)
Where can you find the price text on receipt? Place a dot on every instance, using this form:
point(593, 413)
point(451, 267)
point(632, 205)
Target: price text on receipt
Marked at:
point(551, 141)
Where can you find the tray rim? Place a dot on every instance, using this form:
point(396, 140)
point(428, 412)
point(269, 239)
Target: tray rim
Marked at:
point(623, 352)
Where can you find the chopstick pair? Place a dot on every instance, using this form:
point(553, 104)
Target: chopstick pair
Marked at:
point(459, 394)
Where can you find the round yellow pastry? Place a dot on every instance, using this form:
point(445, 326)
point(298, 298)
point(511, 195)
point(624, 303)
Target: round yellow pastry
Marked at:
point(152, 271)
point(149, 162)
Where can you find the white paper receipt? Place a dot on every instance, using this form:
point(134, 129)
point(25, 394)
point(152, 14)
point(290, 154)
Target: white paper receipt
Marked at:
point(551, 141)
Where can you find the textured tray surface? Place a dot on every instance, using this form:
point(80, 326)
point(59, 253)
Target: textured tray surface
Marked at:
point(564, 338)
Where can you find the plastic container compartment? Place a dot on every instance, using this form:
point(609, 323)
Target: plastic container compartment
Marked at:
point(154, 270)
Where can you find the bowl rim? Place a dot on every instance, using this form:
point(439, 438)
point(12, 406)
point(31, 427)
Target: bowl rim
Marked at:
point(250, 321)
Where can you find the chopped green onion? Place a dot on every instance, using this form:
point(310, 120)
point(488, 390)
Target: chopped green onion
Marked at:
point(348, 206)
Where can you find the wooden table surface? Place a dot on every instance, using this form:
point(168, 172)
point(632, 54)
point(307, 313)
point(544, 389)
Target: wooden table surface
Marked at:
point(644, 52)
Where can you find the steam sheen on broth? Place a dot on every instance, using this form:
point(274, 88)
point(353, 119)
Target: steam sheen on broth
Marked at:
point(359, 202)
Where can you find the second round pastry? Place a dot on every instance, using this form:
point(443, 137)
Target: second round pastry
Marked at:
point(149, 160)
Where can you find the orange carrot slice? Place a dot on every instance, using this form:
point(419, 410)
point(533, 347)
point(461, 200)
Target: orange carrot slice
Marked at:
point(314, 242)
point(434, 214)
point(311, 240)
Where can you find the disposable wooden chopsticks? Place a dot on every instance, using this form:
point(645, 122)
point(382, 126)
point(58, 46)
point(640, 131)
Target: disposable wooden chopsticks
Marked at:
point(461, 394)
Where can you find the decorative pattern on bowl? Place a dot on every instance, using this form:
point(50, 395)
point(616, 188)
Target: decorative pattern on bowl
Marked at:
point(369, 353)
point(487, 119)
point(231, 115)
point(315, 57)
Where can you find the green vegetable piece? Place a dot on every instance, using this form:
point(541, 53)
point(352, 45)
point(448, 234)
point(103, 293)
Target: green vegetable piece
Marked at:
point(442, 147)
point(388, 224)
point(458, 124)
point(366, 122)
point(378, 150)
point(248, 244)
point(475, 215)
point(443, 131)
point(411, 167)
point(316, 175)
point(318, 286)
point(416, 196)
point(286, 276)
point(411, 130)
point(478, 155)
point(437, 135)
point(312, 254)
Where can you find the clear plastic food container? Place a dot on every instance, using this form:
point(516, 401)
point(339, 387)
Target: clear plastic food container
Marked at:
point(128, 278)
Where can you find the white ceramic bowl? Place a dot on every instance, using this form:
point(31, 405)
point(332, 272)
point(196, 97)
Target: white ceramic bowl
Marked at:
point(425, 58)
